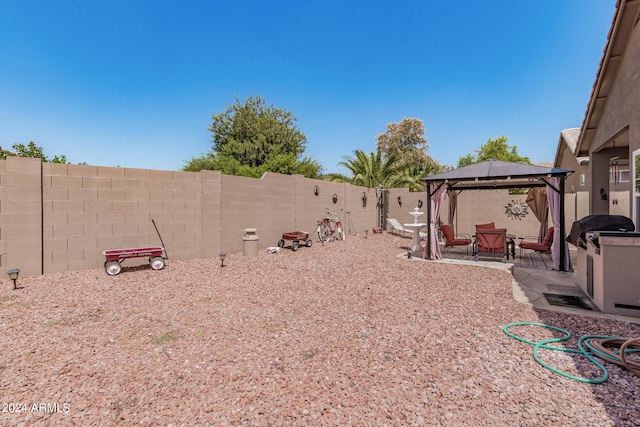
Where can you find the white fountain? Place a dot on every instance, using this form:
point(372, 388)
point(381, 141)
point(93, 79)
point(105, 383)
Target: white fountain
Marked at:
point(415, 228)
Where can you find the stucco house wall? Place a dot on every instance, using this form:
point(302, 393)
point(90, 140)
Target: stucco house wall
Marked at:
point(611, 127)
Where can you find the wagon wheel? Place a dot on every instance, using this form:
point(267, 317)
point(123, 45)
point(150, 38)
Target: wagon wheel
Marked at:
point(112, 267)
point(309, 243)
point(281, 243)
point(294, 246)
point(157, 263)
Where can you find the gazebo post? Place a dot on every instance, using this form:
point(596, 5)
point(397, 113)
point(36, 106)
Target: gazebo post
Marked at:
point(563, 262)
point(427, 253)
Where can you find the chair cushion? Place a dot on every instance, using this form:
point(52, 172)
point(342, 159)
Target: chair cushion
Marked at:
point(548, 238)
point(458, 242)
point(491, 240)
point(541, 247)
point(446, 232)
point(488, 226)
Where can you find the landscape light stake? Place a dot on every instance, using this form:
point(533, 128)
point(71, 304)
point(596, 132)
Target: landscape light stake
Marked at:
point(13, 275)
point(222, 255)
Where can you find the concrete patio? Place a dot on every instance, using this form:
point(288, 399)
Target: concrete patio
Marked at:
point(533, 277)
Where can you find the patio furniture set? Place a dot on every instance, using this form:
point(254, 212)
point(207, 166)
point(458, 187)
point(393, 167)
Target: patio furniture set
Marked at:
point(491, 240)
point(487, 240)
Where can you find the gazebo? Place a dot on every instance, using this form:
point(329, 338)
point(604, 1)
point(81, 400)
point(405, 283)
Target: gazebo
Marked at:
point(496, 174)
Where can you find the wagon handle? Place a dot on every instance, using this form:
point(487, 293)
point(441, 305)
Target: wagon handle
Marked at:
point(163, 247)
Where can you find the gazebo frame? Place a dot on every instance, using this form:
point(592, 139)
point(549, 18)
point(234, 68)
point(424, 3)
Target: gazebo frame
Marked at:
point(496, 174)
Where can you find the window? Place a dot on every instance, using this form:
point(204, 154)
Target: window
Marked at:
point(619, 172)
point(624, 175)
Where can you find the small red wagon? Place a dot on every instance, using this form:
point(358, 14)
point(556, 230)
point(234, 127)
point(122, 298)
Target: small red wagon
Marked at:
point(297, 238)
point(115, 257)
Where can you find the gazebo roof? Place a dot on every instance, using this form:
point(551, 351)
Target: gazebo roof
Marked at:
point(497, 174)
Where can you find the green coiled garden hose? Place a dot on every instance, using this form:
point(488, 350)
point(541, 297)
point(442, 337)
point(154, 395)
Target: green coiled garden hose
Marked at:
point(588, 346)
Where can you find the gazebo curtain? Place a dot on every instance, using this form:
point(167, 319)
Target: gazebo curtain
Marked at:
point(539, 205)
point(437, 192)
point(553, 196)
point(453, 203)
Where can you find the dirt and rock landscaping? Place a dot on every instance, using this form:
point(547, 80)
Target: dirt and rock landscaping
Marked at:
point(347, 333)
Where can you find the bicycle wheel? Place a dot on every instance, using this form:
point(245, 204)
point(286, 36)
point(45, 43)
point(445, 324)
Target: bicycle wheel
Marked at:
point(340, 231)
point(323, 233)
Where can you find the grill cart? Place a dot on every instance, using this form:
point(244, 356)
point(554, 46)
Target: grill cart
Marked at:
point(608, 268)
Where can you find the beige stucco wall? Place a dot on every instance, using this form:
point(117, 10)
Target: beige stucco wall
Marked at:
point(620, 117)
point(566, 160)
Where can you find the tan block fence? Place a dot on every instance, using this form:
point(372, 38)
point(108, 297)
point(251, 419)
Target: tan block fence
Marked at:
point(59, 217)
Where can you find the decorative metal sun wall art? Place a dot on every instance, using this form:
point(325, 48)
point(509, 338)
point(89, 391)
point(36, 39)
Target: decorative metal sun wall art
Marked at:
point(516, 209)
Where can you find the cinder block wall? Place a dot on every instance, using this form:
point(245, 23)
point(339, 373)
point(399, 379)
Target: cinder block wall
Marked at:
point(474, 207)
point(407, 203)
point(21, 215)
point(88, 209)
point(483, 206)
point(57, 217)
point(576, 207)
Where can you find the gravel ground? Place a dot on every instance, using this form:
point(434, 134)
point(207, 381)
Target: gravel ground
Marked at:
point(349, 333)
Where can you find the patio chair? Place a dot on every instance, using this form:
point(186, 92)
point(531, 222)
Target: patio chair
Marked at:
point(395, 225)
point(450, 239)
point(491, 241)
point(543, 246)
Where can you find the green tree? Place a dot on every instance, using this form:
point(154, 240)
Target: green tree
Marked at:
point(496, 149)
point(31, 150)
point(251, 137)
point(372, 170)
point(405, 138)
point(408, 142)
point(409, 177)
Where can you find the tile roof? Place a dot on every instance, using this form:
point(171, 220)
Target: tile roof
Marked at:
point(570, 137)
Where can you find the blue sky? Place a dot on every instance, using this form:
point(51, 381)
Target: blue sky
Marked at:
point(134, 83)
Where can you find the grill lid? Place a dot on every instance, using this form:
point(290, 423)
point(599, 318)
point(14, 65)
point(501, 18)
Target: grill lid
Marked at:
point(598, 223)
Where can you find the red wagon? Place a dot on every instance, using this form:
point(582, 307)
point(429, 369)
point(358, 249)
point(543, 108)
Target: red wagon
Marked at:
point(115, 257)
point(297, 238)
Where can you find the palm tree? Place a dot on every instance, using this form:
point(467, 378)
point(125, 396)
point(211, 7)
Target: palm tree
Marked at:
point(411, 174)
point(409, 177)
point(372, 170)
